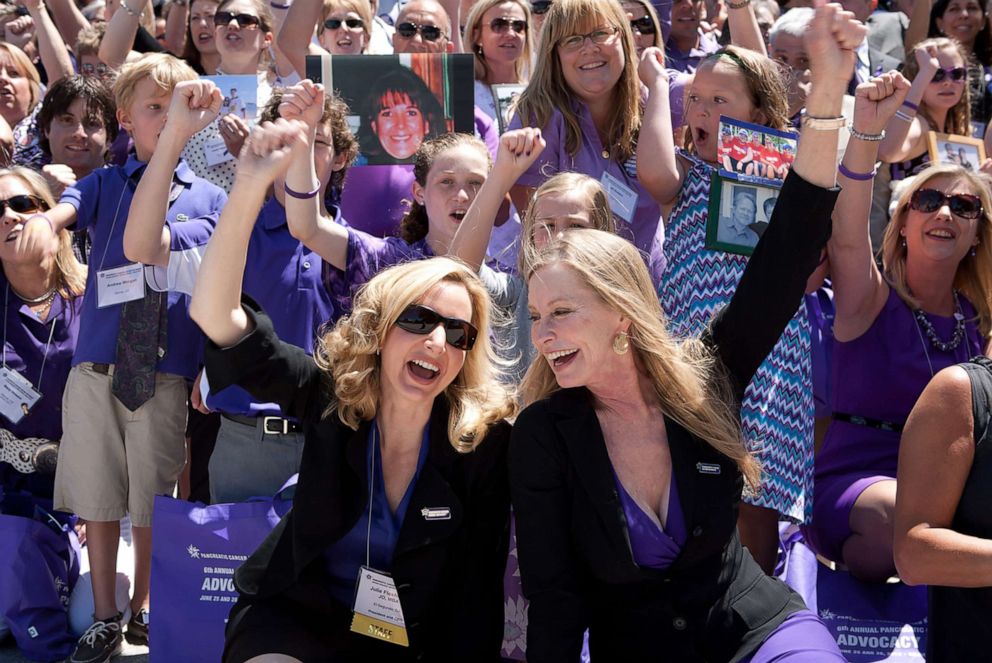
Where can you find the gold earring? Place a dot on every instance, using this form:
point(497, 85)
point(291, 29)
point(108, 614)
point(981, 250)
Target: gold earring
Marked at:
point(621, 343)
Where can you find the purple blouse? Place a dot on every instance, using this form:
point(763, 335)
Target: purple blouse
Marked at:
point(654, 547)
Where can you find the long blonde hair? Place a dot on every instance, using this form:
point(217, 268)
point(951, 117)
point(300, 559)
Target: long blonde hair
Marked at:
point(548, 90)
point(474, 22)
point(689, 382)
point(349, 352)
point(70, 274)
point(974, 273)
point(958, 121)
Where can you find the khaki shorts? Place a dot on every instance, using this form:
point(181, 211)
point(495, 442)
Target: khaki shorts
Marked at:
point(113, 462)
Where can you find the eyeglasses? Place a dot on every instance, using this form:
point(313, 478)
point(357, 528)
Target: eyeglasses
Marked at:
point(351, 23)
point(429, 32)
point(22, 204)
point(643, 25)
point(540, 7)
point(598, 37)
point(244, 20)
point(504, 25)
point(964, 205)
point(955, 73)
point(421, 320)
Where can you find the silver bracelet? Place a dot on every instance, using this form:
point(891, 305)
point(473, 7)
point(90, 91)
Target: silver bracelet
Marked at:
point(823, 123)
point(871, 138)
point(131, 12)
point(903, 116)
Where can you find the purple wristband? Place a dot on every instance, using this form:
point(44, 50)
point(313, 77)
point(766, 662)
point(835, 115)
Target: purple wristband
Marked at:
point(39, 215)
point(280, 5)
point(911, 105)
point(857, 177)
point(302, 196)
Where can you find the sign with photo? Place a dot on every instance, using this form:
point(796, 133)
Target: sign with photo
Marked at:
point(397, 101)
point(240, 95)
point(752, 153)
point(739, 214)
point(969, 153)
point(505, 94)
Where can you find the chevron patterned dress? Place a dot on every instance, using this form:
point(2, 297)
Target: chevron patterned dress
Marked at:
point(777, 412)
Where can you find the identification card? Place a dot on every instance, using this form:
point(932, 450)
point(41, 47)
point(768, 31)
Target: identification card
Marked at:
point(17, 395)
point(120, 284)
point(623, 200)
point(377, 610)
point(215, 152)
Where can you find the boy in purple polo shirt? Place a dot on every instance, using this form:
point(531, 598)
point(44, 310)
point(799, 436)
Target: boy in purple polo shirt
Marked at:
point(124, 410)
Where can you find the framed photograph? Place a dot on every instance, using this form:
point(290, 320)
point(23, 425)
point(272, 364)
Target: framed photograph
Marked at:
point(505, 94)
point(240, 95)
point(959, 150)
point(752, 153)
point(397, 101)
point(739, 213)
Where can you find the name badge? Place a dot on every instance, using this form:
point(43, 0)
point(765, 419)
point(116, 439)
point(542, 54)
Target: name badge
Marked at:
point(215, 152)
point(377, 612)
point(120, 284)
point(708, 468)
point(436, 513)
point(623, 199)
point(17, 395)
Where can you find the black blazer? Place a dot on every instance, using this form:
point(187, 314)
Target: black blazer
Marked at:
point(449, 573)
point(714, 603)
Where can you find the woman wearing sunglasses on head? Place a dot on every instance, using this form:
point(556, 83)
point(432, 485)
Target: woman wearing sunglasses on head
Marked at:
point(928, 307)
point(403, 485)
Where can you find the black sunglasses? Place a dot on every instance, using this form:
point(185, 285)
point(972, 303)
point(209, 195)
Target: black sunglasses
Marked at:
point(964, 205)
point(955, 73)
point(644, 25)
point(540, 7)
point(244, 20)
point(503, 25)
point(429, 32)
point(421, 320)
point(335, 23)
point(22, 204)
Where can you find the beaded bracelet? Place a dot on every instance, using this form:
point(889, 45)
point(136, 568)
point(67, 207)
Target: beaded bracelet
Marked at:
point(871, 138)
point(857, 177)
point(301, 195)
point(911, 105)
point(131, 12)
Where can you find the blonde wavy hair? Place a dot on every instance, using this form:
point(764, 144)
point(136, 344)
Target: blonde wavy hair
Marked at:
point(548, 91)
point(70, 274)
point(958, 121)
point(349, 352)
point(688, 380)
point(360, 7)
point(974, 273)
point(27, 70)
point(473, 32)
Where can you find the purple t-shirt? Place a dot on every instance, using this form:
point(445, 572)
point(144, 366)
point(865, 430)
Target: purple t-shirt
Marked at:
point(688, 61)
point(102, 200)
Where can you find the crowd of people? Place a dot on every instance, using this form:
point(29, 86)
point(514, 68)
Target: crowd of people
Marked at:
point(530, 340)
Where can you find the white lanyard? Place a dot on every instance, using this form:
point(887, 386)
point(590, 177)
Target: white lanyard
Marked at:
point(51, 335)
point(368, 529)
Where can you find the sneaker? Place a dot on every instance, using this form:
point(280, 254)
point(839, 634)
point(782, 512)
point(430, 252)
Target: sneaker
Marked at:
point(137, 628)
point(101, 642)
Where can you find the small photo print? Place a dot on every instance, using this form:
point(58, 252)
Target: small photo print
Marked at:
point(398, 101)
point(239, 95)
point(505, 95)
point(753, 153)
point(739, 214)
point(969, 153)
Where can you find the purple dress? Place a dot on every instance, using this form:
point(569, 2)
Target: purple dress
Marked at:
point(877, 376)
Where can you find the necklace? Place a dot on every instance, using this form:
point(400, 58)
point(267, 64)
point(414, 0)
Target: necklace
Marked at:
point(931, 333)
point(45, 298)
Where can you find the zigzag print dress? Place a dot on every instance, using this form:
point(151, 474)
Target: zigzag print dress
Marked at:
point(777, 412)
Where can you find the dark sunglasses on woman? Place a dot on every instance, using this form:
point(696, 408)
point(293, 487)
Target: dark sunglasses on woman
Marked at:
point(408, 30)
point(22, 204)
point(418, 319)
point(964, 205)
point(954, 73)
point(244, 20)
point(644, 25)
point(351, 23)
point(540, 7)
point(504, 25)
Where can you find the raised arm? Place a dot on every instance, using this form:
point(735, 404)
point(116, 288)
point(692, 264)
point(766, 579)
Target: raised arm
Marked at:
point(518, 149)
point(296, 33)
point(68, 19)
point(147, 238)
point(935, 459)
point(216, 304)
point(51, 46)
point(175, 27)
point(919, 24)
point(744, 30)
point(121, 29)
point(859, 289)
point(658, 167)
point(306, 217)
point(906, 132)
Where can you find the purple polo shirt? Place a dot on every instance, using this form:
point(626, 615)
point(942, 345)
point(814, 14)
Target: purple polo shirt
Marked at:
point(27, 348)
point(590, 161)
point(284, 278)
point(191, 219)
point(687, 62)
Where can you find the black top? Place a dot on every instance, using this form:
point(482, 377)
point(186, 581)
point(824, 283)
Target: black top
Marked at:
point(449, 573)
point(714, 603)
point(960, 618)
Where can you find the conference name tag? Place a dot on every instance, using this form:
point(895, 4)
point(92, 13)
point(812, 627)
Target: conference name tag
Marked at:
point(120, 284)
point(623, 200)
point(215, 152)
point(17, 395)
point(377, 610)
